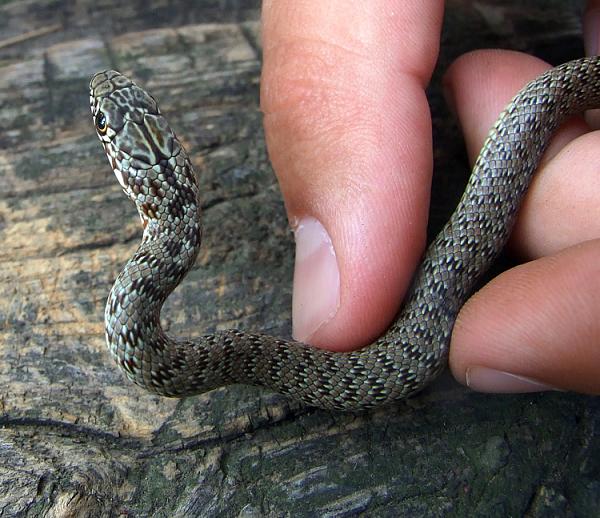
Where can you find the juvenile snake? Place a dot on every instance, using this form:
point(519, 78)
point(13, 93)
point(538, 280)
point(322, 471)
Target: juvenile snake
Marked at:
point(156, 174)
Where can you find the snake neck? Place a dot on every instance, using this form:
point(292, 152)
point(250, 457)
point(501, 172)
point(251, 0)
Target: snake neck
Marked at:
point(132, 312)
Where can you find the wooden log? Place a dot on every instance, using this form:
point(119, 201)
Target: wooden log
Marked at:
point(76, 439)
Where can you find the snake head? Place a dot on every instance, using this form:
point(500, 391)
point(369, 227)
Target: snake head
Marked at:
point(149, 162)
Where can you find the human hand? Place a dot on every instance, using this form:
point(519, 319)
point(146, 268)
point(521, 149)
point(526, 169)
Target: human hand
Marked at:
point(349, 134)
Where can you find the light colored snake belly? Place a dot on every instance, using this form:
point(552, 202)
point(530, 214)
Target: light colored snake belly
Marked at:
point(156, 174)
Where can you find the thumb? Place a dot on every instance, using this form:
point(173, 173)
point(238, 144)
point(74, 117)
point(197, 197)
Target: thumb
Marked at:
point(349, 135)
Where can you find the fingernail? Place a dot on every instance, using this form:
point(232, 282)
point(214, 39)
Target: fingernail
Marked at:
point(316, 297)
point(591, 28)
point(483, 379)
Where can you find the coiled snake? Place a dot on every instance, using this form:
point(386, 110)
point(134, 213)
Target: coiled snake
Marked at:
point(156, 174)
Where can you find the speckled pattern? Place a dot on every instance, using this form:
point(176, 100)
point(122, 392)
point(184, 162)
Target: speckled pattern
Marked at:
point(155, 172)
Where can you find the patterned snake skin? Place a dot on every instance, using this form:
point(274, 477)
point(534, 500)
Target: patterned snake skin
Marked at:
point(156, 174)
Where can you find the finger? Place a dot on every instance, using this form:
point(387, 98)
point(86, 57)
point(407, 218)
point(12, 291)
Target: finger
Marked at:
point(349, 135)
point(534, 327)
point(560, 208)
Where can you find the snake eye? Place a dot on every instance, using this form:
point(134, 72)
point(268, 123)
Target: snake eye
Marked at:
point(101, 125)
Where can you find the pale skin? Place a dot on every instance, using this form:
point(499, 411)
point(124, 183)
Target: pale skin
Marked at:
point(348, 129)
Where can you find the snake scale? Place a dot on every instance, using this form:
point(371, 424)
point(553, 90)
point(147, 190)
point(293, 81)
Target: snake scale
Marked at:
point(156, 174)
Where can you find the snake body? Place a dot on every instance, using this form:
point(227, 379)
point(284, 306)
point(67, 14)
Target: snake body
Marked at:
point(156, 174)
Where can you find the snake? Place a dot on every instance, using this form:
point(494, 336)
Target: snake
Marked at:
point(156, 173)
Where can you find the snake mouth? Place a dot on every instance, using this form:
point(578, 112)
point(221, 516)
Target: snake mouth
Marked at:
point(119, 174)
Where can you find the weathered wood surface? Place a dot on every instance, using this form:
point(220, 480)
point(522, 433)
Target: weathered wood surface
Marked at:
point(76, 440)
